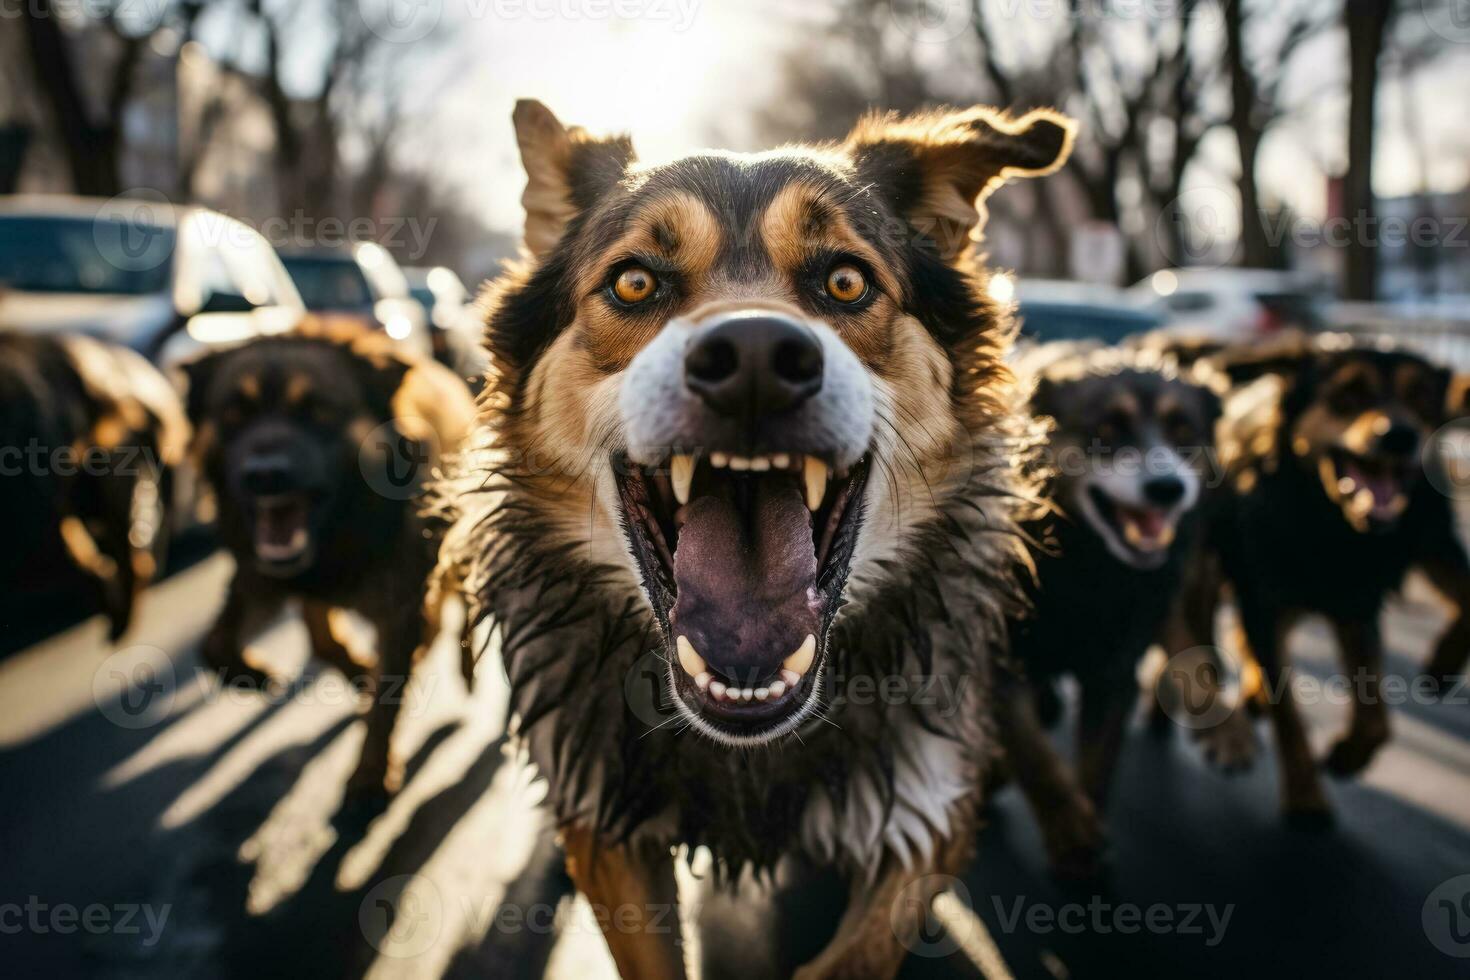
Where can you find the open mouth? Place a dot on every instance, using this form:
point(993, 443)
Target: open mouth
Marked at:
point(1370, 489)
point(1144, 532)
point(282, 536)
point(744, 560)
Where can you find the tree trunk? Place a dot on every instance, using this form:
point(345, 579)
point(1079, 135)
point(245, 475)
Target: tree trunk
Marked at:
point(91, 149)
point(1245, 121)
point(1367, 23)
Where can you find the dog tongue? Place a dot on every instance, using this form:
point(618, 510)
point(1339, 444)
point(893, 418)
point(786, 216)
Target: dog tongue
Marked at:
point(1150, 522)
point(747, 580)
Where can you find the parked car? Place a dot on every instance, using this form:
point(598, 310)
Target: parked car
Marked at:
point(1059, 310)
point(361, 283)
point(454, 328)
point(1232, 304)
point(161, 279)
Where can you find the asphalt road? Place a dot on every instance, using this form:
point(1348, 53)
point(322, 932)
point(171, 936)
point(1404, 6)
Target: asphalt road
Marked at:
point(155, 826)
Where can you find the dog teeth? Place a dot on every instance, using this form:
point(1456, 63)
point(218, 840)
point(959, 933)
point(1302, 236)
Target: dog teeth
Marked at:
point(690, 660)
point(816, 482)
point(717, 690)
point(703, 679)
point(761, 693)
point(776, 689)
point(801, 661)
point(760, 464)
point(739, 463)
point(746, 694)
point(681, 472)
point(781, 461)
point(719, 460)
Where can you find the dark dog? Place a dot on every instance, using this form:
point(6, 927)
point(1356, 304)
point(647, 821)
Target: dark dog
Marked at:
point(1130, 447)
point(316, 448)
point(1327, 509)
point(733, 396)
point(90, 435)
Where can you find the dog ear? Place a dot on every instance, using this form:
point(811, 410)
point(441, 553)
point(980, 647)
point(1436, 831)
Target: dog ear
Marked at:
point(1457, 397)
point(198, 375)
point(567, 171)
point(381, 372)
point(939, 167)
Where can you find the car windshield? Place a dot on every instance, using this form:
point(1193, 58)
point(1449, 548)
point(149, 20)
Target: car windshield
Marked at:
point(329, 282)
point(1066, 321)
point(64, 254)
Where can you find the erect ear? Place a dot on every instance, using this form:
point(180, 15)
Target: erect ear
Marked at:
point(198, 374)
point(1457, 400)
point(381, 371)
point(567, 170)
point(939, 167)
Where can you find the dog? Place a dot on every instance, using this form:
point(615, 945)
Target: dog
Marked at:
point(1327, 507)
point(753, 437)
point(316, 445)
point(91, 436)
point(1130, 446)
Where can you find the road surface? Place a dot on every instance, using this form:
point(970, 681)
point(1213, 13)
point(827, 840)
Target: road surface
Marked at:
point(155, 826)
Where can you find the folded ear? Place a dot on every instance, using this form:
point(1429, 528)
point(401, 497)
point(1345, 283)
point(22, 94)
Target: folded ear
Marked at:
point(938, 167)
point(567, 170)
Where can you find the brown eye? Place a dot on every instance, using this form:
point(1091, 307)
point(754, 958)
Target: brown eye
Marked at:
point(846, 284)
point(634, 284)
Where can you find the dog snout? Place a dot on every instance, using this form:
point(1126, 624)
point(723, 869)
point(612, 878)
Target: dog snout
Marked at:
point(1164, 491)
point(752, 366)
point(1399, 440)
point(265, 475)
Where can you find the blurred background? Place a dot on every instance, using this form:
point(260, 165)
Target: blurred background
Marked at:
point(177, 174)
point(1321, 137)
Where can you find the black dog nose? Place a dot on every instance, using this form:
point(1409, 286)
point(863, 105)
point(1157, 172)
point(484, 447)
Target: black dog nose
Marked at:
point(754, 366)
point(1164, 491)
point(266, 475)
point(1399, 440)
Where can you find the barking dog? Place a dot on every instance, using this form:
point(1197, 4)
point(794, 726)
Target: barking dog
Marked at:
point(1128, 449)
point(752, 427)
point(89, 436)
point(315, 448)
point(1327, 510)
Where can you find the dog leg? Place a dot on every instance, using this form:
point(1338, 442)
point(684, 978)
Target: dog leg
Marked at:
point(635, 900)
point(1106, 703)
point(379, 772)
point(1450, 575)
point(224, 646)
point(1304, 803)
point(327, 646)
point(1069, 821)
point(884, 919)
point(1362, 654)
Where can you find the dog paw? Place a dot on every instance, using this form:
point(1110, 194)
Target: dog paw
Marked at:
point(1229, 746)
point(1351, 755)
point(1310, 819)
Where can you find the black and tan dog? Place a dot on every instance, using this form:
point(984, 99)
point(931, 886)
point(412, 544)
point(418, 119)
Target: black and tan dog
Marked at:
point(1130, 452)
point(1327, 508)
point(90, 436)
point(316, 448)
point(753, 427)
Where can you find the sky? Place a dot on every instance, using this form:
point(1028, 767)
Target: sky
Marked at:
point(677, 72)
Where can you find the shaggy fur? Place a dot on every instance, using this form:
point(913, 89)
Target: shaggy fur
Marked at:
point(537, 537)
